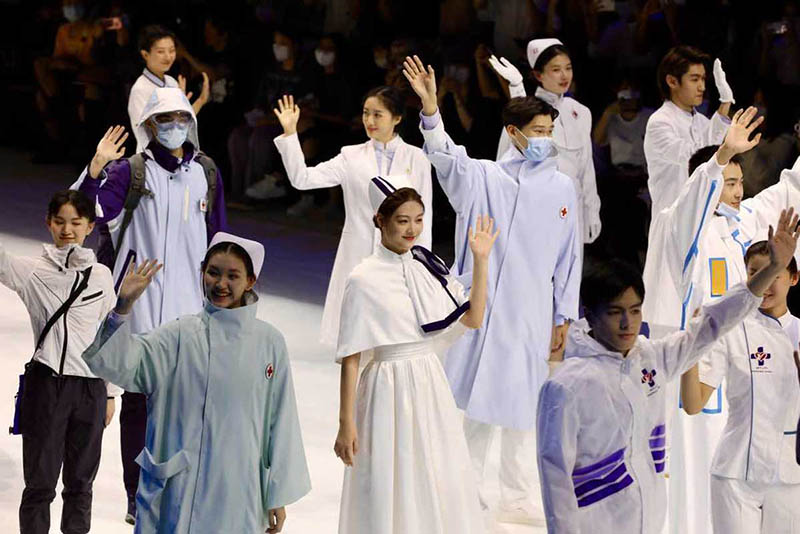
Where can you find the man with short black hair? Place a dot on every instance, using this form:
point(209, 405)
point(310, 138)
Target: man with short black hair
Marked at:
point(600, 421)
point(496, 372)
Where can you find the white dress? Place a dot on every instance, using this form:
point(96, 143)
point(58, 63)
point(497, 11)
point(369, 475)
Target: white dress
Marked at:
point(412, 471)
point(353, 169)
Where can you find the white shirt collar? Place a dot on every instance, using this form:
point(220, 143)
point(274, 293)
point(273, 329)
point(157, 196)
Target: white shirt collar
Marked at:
point(551, 98)
point(391, 146)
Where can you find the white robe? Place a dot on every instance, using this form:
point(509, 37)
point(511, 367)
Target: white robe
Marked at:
point(601, 427)
point(534, 275)
point(572, 135)
point(672, 137)
point(412, 471)
point(353, 169)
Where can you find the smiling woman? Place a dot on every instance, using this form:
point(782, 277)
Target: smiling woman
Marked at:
point(227, 275)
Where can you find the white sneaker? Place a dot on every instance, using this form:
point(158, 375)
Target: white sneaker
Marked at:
point(523, 514)
point(266, 189)
point(301, 207)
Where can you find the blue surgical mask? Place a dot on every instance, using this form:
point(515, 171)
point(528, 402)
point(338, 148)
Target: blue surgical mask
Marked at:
point(538, 149)
point(172, 135)
point(73, 12)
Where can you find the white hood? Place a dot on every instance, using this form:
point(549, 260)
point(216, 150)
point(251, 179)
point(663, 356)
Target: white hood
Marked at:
point(165, 100)
point(581, 344)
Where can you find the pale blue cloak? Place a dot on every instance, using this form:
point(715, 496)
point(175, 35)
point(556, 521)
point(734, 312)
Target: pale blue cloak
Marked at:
point(223, 443)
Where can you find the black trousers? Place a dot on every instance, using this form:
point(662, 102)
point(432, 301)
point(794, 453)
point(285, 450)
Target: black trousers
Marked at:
point(132, 426)
point(62, 421)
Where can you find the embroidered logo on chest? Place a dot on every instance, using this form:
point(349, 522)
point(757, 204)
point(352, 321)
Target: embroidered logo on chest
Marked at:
point(761, 357)
point(563, 212)
point(648, 377)
point(269, 371)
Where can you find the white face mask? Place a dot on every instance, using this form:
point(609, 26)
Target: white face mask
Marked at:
point(281, 52)
point(324, 57)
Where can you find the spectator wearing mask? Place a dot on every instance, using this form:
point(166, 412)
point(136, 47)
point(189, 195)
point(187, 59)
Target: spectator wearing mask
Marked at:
point(253, 157)
point(331, 110)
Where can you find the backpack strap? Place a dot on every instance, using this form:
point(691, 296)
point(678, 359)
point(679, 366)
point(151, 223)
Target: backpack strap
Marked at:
point(210, 170)
point(76, 291)
point(136, 190)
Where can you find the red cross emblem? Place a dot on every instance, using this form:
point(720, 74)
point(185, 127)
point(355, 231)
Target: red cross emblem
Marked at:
point(574, 114)
point(269, 372)
point(563, 212)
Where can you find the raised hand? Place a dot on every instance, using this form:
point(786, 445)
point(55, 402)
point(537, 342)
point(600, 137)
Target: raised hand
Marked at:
point(721, 81)
point(136, 281)
point(783, 241)
point(482, 239)
point(288, 114)
point(423, 82)
point(737, 140)
point(205, 94)
point(110, 147)
point(182, 86)
point(506, 69)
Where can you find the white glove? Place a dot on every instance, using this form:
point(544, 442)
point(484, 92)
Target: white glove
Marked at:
point(591, 226)
point(725, 91)
point(507, 70)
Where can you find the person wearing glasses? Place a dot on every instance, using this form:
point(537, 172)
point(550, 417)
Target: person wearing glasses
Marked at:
point(180, 208)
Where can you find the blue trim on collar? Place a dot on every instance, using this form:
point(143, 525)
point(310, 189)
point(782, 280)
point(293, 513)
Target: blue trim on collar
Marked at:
point(155, 80)
point(771, 317)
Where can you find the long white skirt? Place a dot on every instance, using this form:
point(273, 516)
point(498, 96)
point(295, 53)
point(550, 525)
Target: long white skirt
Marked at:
point(412, 472)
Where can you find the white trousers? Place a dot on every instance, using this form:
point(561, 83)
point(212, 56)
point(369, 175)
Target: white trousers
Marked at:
point(519, 474)
point(741, 507)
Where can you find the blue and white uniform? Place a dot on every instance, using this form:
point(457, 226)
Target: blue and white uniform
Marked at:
point(601, 424)
point(755, 480)
point(703, 244)
point(496, 372)
point(140, 93)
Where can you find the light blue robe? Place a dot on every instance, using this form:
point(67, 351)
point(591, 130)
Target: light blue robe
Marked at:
point(223, 443)
point(495, 372)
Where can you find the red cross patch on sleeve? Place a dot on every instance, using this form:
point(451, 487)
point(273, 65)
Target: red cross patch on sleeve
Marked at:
point(563, 212)
point(269, 372)
point(574, 114)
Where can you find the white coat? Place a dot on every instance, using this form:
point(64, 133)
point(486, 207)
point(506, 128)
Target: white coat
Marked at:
point(601, 424)
point(353, 169)
point(572, 136)
point(756, 362)
point(496, 371)
point(703, 251)
point(44, 283)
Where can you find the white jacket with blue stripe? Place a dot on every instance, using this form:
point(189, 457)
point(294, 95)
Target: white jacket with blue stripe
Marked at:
point(601, 424)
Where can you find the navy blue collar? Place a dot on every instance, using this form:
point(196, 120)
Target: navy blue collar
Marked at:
point(166, 160)
point(154, 78)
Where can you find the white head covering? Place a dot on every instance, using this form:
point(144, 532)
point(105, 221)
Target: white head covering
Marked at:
point(537, 46)
point(380, 188)
point(165, 100)
point(254, 249)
